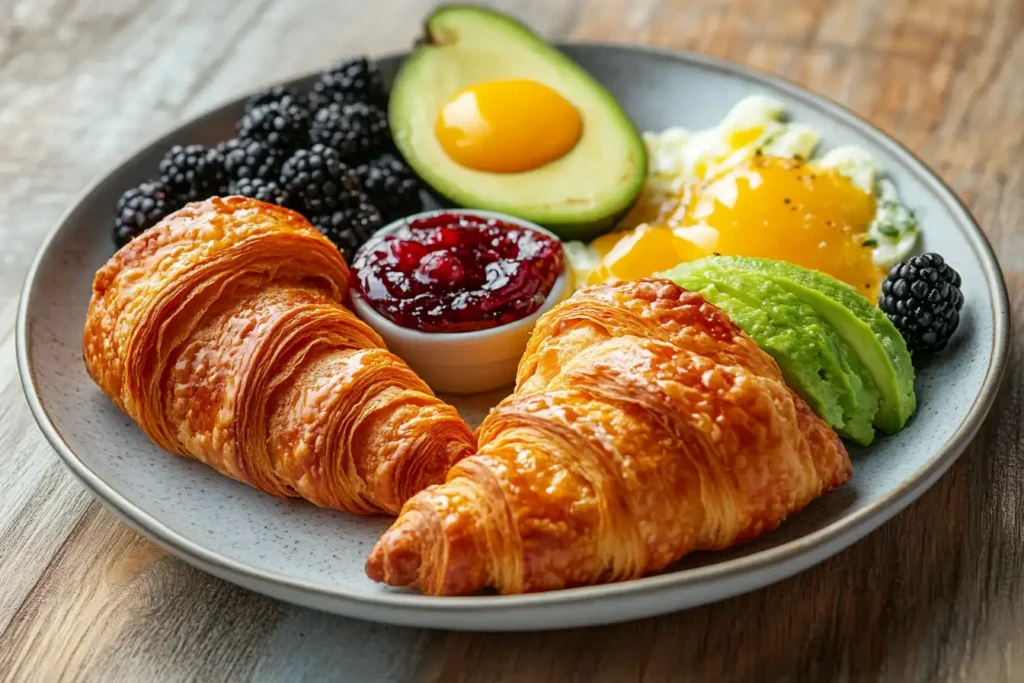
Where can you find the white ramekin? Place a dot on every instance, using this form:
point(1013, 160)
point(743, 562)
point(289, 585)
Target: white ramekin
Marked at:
point(462, 362)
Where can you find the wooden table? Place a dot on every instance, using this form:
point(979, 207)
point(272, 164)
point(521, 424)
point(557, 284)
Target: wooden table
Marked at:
point(935, 595)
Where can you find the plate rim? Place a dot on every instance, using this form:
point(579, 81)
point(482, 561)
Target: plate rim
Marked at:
point(414, 609)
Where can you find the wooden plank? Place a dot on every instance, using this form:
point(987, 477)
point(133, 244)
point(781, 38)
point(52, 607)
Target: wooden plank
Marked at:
point(935, 595)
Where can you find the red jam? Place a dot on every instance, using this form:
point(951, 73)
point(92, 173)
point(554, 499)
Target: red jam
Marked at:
point(451, 272)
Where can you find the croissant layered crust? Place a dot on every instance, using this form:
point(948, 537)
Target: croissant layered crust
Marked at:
point(645, 425)
point(222, 333)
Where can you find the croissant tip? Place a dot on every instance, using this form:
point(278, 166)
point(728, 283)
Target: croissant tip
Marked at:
point(375, 564)
point(395, 560)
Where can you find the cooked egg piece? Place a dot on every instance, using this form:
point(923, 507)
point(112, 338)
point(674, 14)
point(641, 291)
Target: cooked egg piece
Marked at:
point(583, 260)
point(680, 159)
point(641, 252)
point(789, 210)
point(745, 187)
point(894, 230)
point(508, 126)
point(770, 207)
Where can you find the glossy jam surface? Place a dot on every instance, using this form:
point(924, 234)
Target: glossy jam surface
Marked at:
point(457, 273)
point(508, 126)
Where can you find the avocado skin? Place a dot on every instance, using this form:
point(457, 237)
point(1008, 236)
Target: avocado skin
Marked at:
point(814, 360)
point(584, 231)
point(877, 351)
point(569, 220)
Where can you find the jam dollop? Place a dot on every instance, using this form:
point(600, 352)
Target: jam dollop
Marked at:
point(453, 272)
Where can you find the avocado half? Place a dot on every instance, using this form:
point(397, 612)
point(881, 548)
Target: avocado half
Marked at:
point(875, 363)
point(579, 196)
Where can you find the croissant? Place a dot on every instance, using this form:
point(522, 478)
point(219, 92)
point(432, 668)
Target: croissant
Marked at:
point(221, 332)
point(644, 425)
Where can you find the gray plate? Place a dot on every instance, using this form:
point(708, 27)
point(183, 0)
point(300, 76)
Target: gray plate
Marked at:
point(314, 557)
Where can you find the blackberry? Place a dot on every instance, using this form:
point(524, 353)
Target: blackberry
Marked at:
point(317, 181)
point(139, 209)
point(350, 226)
point(353, 80)
point(191, 172)
point(275, 93)
point(922, 298)
point(263, 190)
point(252, 159)
point(281, 124)
point(356, 130)
point(391, 185)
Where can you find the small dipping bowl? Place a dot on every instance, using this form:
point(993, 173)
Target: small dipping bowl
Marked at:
point(462, 362)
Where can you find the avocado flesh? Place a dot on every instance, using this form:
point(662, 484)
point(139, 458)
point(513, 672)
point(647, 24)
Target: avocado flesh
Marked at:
point(814, 360)
point(874, 340)
point(870, 333)
point(578, 196)
point(859, 423)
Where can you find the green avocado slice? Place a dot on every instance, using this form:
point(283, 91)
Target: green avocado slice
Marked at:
point(859, 424)
point(815, 361)
point(578, 196)
point(873, 338)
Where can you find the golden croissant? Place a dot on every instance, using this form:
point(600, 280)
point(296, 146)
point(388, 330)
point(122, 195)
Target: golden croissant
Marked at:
point(221, 333)
point(644, 425)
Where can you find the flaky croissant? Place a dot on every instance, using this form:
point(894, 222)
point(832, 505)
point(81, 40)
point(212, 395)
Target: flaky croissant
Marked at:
point(644, 425)
point(221, 333)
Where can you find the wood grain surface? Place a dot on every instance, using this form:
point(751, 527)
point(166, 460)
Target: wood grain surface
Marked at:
point(936, 595)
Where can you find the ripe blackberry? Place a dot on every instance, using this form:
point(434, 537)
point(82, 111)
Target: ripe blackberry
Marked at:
point(350, 226)
point(922, 298)
point(139, 209)
point(317, 181)
point(391, 186)
point(252, 159)
point(353, 80)
point(281, 124)
point(356, 130)
point(275, 93)
point(263, 190)
point(191, 172)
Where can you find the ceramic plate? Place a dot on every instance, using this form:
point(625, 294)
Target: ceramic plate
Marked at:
point(314, 557)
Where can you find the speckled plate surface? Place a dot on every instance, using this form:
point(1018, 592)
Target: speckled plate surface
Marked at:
point(314, 557)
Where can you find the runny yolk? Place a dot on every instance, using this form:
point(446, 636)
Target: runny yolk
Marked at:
point(508, 126)
point(641, 252)
point(780, 208)
point(771, 207)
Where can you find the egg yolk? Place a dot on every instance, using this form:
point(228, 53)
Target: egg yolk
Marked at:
point(770, 207)
point(508, 126)
point(640, 253)
point(785, 209)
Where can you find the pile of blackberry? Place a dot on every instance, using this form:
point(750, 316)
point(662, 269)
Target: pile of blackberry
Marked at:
point(326, 153)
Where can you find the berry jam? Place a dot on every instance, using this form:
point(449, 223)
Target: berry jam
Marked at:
point(457, 273)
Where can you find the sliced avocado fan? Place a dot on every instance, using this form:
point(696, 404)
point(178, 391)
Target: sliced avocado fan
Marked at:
point(868, 331)
point(815, 361)
point(872, 349)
